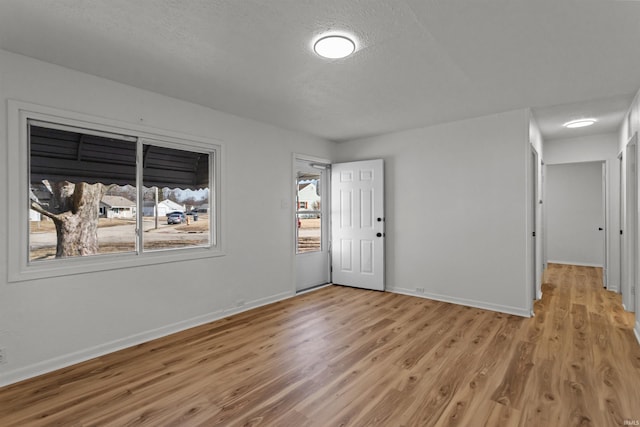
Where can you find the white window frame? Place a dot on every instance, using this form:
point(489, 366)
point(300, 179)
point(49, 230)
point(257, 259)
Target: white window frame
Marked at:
point(19, 266)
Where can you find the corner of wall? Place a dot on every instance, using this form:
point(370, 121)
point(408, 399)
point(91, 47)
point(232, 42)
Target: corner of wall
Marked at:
point(535, 136)
point(516, 311)
point(630, 124)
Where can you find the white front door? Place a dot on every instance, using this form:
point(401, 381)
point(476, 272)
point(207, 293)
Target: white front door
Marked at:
point(311, 223)
point(357, 224)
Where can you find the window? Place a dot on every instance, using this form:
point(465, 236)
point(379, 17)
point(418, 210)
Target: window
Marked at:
point(83, 186)
point(101, 196)
point(309, 214)
point(175, 181)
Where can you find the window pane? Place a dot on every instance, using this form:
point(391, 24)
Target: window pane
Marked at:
point(176, 199)
point(308, 214)
point(82, 193)
point(309, 233)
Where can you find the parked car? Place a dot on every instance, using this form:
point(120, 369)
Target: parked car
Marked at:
point(176, 217)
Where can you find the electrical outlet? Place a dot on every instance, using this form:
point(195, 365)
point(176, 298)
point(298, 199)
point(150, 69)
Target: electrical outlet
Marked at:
point(3, 356)
point(420, 290)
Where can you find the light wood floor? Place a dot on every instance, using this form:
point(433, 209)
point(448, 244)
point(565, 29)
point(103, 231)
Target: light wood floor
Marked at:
point(340, 356)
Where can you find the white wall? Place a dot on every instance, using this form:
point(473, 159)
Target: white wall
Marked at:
point(631, 126)
point(535, 137)
point(592, 148)
point(631, 123)
point(45, 324)
point(456, 220)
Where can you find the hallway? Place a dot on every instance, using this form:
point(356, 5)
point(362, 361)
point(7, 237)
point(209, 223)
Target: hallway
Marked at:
point(587, 360)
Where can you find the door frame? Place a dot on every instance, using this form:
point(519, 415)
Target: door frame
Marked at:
point(536, 232)
point(605, 213)
point(605, 225)
point(326, 220)
point(621, 223)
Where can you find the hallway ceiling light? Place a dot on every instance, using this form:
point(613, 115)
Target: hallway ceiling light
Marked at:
point(334, 47)
point(579, 123)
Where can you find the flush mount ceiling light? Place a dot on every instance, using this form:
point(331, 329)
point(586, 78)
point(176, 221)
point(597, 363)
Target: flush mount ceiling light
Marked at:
point(579, 123)
point(334, 47)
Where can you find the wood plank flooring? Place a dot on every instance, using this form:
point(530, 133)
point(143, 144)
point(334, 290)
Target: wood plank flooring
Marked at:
point(340, 356)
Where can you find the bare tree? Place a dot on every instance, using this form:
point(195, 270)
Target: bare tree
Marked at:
point(190, 201)
point(74, 209)
point(129, 192)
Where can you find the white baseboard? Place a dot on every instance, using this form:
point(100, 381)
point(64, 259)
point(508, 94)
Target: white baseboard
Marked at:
point(517, 311)
point(580, 264)
point(315, 288)
point(636, 330)
point(66, 360)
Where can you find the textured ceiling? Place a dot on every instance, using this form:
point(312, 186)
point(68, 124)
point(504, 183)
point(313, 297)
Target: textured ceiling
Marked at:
point(610, 113)
point(418, 62)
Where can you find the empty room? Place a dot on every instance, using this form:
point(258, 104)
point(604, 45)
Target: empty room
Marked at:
point(319, 213)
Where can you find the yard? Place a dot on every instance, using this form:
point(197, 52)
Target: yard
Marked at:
point(309, 235)
point(118, 235)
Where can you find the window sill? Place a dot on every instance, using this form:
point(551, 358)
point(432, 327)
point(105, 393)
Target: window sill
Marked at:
point(82, 265)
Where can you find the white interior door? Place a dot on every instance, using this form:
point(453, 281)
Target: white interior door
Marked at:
point(357, 224)
point(623, 250)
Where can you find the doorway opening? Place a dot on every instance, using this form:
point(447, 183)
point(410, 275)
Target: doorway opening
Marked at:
point(535, 225)
point(339, 223)
point(575, 214)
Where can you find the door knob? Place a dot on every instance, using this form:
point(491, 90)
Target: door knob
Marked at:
point(379, 234)
point(600, 228)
